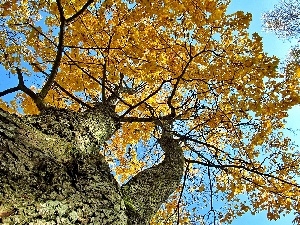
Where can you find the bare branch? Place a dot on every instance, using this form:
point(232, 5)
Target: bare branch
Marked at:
point(22, 87)
point(253, 170)
point(9, 91)
point(59, 53)
point(72, 96)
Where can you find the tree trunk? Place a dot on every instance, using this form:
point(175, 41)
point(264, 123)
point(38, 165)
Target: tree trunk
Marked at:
point(52, 173)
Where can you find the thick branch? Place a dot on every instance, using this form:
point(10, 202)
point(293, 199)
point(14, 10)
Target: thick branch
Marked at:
point(159, 182)
point(59, 53)
point(22, 87)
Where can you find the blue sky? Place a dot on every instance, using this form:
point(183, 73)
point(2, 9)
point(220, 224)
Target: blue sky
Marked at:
point(280, 48)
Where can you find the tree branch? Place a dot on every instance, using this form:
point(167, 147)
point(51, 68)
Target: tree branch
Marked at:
point(9, 91)
point(144, 100)
point(60, 48)
point(104, 70)
point(84, 7)
point(72, 96)
point(22, 87)
point(241, 167)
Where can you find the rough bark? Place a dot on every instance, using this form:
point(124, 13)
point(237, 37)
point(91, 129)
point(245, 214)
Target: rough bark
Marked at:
point(49, 177)
point(146, 191)
point(52, 173)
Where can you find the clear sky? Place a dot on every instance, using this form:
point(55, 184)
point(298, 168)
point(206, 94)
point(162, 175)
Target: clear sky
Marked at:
point(280, 48)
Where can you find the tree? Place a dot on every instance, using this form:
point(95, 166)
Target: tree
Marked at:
point(284, 21)
point(139, 111)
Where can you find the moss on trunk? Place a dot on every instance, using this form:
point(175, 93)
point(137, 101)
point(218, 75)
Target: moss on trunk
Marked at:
point(52, 173)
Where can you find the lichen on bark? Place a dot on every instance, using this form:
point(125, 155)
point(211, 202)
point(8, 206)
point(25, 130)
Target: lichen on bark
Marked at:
point(45, 178)
point(52, 173)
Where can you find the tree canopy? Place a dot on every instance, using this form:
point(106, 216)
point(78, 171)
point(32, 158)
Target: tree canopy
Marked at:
point(284, 21)
point(188, 62)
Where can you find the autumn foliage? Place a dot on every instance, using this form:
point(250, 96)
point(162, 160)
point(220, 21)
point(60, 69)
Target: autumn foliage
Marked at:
point(186, 60)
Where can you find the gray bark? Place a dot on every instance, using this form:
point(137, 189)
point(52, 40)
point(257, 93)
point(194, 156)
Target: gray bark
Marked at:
point(149, 188)
point(51, 171)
